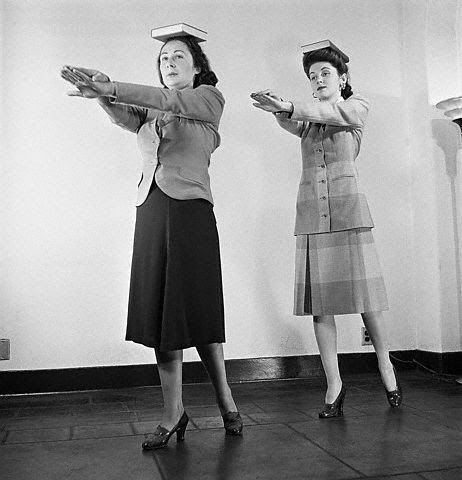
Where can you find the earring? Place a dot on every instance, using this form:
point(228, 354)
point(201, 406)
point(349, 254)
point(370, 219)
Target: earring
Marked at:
point(314, 95)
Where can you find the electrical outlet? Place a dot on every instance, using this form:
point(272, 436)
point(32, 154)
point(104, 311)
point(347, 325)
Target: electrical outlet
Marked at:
point(4, 349)
point(365, 337)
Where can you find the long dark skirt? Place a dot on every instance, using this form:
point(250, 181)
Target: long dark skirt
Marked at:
point(176, 295)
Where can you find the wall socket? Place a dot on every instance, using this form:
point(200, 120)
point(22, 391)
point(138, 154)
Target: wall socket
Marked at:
point(4, 349)
point(365, 337)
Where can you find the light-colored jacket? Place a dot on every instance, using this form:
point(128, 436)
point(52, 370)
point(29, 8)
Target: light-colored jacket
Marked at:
point(329, 197)
point(177, 131)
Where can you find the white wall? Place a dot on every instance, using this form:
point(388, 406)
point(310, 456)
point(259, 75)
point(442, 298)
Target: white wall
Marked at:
point(69, 181)
point(431, 73)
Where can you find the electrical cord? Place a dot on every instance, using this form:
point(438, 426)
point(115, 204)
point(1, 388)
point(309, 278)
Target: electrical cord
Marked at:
point(441, 376)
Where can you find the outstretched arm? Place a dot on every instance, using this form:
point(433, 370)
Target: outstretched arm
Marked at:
point(128, 117)
point(350, 113)
point(89, 83)
point(204, 103)
point(270, 101)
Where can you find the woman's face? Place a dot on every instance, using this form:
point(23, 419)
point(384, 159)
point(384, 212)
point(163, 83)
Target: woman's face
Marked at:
point(177, 66)
point(325, 81)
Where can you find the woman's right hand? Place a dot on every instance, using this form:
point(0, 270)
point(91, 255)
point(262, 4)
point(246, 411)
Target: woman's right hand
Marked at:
point(270, 101)
point(90, 83)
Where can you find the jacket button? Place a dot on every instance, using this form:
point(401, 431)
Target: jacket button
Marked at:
point(323, 181)
point(324, 215)
point(323, 197)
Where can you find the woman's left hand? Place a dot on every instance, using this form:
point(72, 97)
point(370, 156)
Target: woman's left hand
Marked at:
point(88, 86)
point(270, 102)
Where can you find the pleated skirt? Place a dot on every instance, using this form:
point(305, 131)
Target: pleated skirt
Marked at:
point(338, 273)
point(176, 295)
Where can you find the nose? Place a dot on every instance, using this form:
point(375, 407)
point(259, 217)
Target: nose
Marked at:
point(170, 63)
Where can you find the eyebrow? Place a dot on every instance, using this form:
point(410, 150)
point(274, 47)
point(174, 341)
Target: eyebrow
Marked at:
point(177, 50)
point(323, 68)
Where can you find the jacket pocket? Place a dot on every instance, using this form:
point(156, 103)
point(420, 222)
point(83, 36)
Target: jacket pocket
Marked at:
point(343, 175)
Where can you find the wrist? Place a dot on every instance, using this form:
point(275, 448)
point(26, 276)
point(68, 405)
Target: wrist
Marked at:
point(109, 89)
point(112, 92)
point(289, 108)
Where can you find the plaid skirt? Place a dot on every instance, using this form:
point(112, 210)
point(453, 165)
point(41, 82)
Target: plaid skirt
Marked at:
point(338, 273)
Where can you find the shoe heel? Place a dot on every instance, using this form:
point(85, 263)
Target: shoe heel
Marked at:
point(334, 409)
point(395, 397)
point(180, 433)
point(181, 430)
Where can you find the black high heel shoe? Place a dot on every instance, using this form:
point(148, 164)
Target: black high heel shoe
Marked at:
point(232, 422)
point(161, 436)
point(334, 409)
point(395, 397)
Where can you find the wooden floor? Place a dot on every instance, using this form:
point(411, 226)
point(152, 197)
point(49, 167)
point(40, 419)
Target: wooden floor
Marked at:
point(98, 434)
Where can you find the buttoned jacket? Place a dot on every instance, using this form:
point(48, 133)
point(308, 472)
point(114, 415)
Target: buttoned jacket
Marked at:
point(177, 131)
point(330, 197)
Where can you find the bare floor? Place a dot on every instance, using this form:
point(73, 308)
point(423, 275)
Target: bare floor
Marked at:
point(98, 434)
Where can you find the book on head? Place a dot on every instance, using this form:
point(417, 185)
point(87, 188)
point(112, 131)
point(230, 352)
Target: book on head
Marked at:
point(178, 30)
point(312, 47)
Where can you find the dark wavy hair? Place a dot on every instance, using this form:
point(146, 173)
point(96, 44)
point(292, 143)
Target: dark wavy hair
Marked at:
point(331, 56)
point(200, 61)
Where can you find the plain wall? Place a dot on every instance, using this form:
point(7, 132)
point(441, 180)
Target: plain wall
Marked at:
point(68, 183)
point(431, 73)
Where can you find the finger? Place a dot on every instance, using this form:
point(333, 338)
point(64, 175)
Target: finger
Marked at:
point(75, 93)
point(269, 95)
point(263, 101)
point(81, 75)
point(70, 76)
point(68, 80)
point(274, 96)
point(261, 107)
point(258, 96)
point(264, 92)
point(87, 71)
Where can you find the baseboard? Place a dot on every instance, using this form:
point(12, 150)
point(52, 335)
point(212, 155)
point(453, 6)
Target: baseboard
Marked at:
point(449, 363)
point(239, 370)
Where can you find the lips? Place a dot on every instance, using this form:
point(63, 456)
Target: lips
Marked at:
point(321, 88)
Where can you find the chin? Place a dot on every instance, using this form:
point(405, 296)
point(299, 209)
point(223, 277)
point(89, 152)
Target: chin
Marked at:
point(175, 86)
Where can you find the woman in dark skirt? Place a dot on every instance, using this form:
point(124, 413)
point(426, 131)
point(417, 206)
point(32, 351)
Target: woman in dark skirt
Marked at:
point(176, 298)
point(337, 267)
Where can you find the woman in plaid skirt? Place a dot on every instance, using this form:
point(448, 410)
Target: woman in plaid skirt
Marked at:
point(337, 267)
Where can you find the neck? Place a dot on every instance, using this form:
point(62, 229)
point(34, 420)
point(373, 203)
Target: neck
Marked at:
point(335, 98)
point(181, 88)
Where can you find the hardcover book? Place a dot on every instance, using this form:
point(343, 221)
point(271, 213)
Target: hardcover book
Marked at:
point(312, 47)
point(178, 30)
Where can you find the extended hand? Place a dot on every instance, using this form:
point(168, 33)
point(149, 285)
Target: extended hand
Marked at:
point(270, 102)
point(89, 83)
